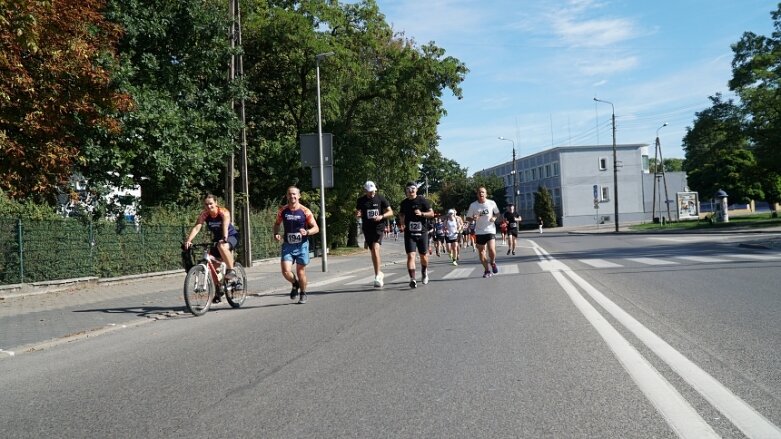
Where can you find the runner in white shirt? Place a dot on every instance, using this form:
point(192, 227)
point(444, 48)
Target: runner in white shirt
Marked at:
point(483, 213)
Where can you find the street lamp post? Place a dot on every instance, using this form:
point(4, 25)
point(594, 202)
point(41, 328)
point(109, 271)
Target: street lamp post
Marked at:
point(425, 176)
point(615, 161)
point(319, 57)
point(515, 175)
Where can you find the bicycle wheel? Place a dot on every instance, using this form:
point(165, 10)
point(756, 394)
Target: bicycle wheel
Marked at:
point(237, 290)
point(198, 290)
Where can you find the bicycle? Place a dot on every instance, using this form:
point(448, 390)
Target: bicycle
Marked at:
point(207, 278)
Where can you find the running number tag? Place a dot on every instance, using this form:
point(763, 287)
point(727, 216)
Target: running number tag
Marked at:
point(372, 213)
point(415, 226)
point(484, 212)
point(294, 238)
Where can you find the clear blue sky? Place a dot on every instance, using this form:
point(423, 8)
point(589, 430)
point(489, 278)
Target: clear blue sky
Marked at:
point(536, 65)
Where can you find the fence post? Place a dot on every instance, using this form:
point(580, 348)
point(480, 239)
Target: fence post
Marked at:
point(20, 243)
point(91, 238)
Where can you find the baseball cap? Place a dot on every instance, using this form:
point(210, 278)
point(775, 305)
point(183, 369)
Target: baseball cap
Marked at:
point(451, 212)
point(369, 186)
point(411, 184)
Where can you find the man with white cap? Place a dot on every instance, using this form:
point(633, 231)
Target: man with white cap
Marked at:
point(373, 209)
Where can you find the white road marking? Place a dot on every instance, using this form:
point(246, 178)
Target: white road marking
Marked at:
point(459, 273)
point(370, 280)
point(507, 269)
point(599, 263)
point(9, 353)
point(752, 423)
point(757, 257)
point(653, 261)
point(328, 281)
point(706, 259)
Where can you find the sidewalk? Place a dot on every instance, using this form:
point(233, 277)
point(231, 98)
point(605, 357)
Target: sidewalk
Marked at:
point(37, 316)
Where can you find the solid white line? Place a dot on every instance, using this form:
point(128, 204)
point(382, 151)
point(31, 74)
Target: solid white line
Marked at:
point(745, 417)
point(678, 413)
point(10, 353)
point(706, 259)
point(370, 280)
point(599, 263)
point(653, 261)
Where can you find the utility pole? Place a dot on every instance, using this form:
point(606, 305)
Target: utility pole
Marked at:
point(659, 162)
point(615, 162)
point(237, 71)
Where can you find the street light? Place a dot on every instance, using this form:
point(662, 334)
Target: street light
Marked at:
point(319, 57)
point(615, 161)
point(515, 174)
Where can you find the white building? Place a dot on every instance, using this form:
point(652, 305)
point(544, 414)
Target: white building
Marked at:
point(577, 176)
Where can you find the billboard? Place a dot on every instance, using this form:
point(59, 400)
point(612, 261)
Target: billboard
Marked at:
point(688, 205)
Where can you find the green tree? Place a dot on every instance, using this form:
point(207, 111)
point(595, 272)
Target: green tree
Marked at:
point(543, 207)
point(670, 165)
point(756, 78)
point(380, 93)
point(173, 63)
point(718, 154)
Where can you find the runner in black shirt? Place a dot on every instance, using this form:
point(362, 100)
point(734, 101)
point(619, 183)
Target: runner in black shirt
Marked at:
point(413, 212)
point(513, 219)
point(373, 209)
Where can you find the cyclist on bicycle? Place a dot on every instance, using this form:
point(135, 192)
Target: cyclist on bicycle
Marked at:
point(224, 235)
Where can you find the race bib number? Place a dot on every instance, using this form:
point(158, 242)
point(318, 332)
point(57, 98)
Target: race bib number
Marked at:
point(415, 226)
point(483, 212)
point(372, 213)
point(294, 238)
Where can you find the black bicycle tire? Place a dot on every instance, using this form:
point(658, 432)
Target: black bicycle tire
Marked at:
point(235, 297)
point(189, 290)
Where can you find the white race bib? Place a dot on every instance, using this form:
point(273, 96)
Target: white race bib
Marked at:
point(415, 226)
point(372, 213)
point(294, 238)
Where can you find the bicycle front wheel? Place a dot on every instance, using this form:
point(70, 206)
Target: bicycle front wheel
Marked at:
point(198, 290)
point(236, 293)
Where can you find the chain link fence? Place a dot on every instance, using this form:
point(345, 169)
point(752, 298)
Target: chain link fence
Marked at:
point(44, 250)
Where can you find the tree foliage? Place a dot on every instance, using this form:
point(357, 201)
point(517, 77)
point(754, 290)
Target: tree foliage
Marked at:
point(55, 91)
point(173, 61)
point(543, 207)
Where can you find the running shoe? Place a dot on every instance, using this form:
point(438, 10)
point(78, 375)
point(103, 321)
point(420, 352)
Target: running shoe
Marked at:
point(217, 299)
point(230, 276)
point(413, 283)
point(294, 291)
point(455, 262)
point(425, 278)
point(302, 300)
point(513, 252)
point(487, 274)
point(494, 268)
point(378, 283)
point(508, 251)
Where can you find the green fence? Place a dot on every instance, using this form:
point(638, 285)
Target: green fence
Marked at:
point(37, 250)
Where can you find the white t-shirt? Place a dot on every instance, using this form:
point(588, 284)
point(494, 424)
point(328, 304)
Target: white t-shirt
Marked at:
point(484, 225)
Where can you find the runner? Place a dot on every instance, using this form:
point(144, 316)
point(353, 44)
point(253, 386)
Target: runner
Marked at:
point(482, 213)
point(512, 220)
point(453, 226)
point(413, 212)
point(503, 229)
point(373, 209)
point(539, 223)
point(439, 235)
point(298, 224)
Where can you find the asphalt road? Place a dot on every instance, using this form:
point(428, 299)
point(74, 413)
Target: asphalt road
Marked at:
point(578, 336)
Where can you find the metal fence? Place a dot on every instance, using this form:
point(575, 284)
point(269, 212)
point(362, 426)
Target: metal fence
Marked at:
point(38, 250)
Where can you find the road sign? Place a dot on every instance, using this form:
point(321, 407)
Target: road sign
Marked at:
point(310, 150)
point(328, 179)
point(596, 192)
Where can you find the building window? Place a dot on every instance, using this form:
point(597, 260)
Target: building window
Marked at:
point(547, 171)
point(605, 193)
point(603, 163)
point(555, 169)
point(534, 174)
point(646, 165)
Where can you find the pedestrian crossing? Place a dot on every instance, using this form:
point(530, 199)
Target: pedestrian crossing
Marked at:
point(448, 272)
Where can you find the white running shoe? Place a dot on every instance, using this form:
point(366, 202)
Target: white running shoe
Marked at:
point(378, 283)
point(425, 279)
